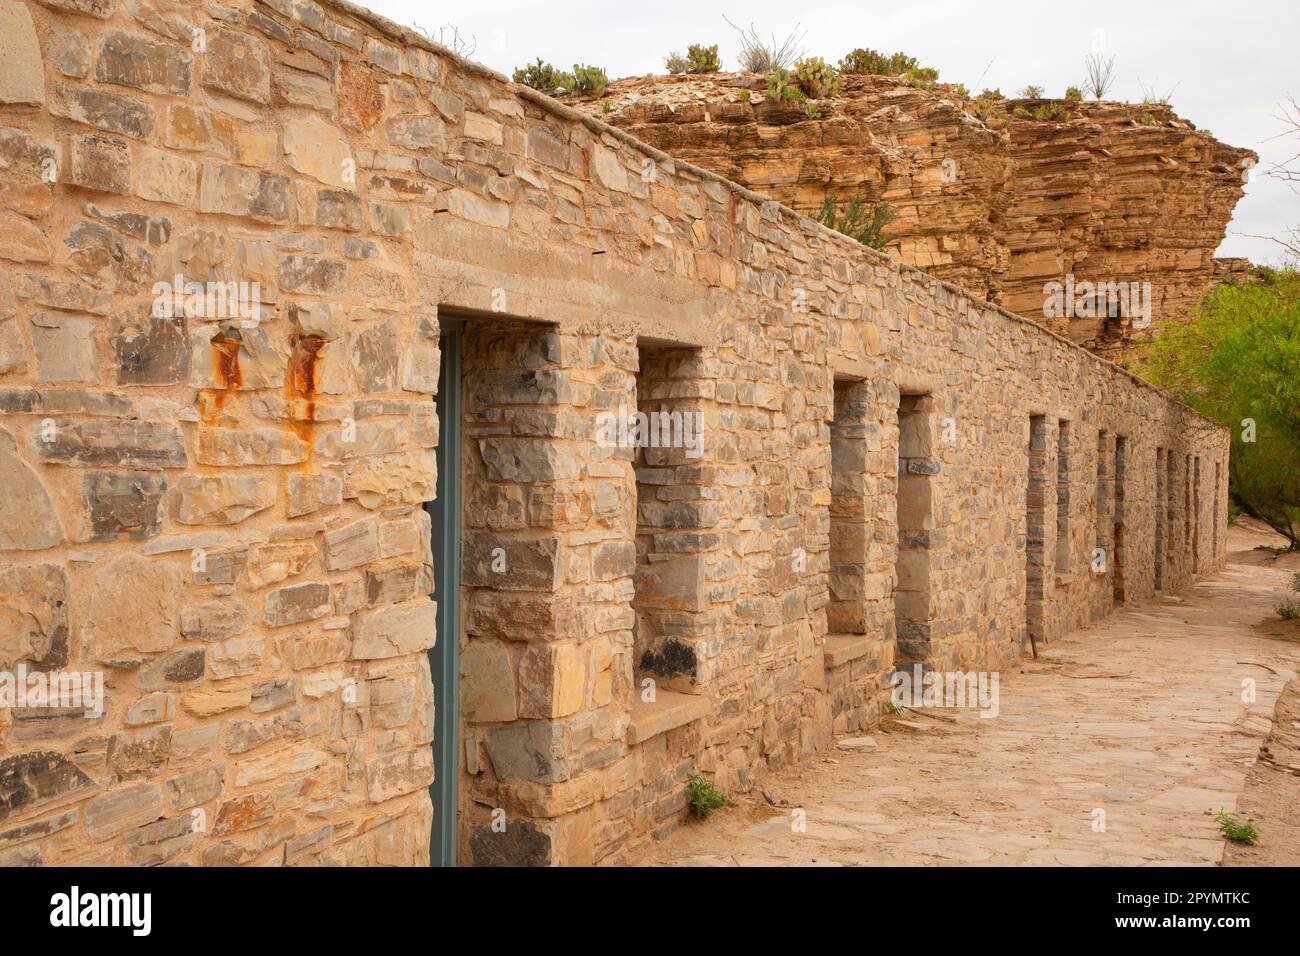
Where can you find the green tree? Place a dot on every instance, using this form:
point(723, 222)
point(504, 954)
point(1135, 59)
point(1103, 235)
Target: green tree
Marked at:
point(859, 219)
point(1238, 364)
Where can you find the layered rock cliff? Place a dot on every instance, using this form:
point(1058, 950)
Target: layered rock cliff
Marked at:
point(1039, 195)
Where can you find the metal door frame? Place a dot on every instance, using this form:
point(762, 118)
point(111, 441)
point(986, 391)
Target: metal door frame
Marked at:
point(444, 657)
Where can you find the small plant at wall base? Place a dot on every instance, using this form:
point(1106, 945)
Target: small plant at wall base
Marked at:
point(1244, 833)
point(859, 220)
point(1289, 610)
point(704, 796)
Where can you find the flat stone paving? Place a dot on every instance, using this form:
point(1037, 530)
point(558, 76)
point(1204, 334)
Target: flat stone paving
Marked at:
point(1140, 716)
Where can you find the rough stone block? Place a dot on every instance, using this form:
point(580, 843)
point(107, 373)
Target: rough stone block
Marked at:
point(107, 443)
point(28, 520)
point(309, 493)
point(511, 563)
point(23, 78)
point(124, 809)
point(394, 631)
point(239, 65)
point(152, 65)
point(222, 499)
point(162, 177)
point(123, 503)
point(232, 191)
point(297, 603)
point(351, 546)
point(34, 616)
point(134, 608)
point(488, 691)
point(396, 774)
point(316, 148)
point(528, 750)
point(103, 110)
point(551, 680)
point(99, 162)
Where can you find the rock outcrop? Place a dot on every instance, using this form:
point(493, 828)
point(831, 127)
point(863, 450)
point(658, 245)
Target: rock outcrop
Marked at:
point(1040, 192)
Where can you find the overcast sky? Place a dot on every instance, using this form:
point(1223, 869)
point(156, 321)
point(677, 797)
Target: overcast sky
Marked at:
point(1233, 64)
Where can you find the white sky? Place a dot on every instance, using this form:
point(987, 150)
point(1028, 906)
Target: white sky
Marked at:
point(1234, 64)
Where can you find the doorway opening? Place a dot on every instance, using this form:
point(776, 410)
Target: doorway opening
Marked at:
point(1196, 516)
point(846, 611)
point(1036, 529)
point(1161, 506)
point(917, 464)
point(676, 511)
point(1117, 524)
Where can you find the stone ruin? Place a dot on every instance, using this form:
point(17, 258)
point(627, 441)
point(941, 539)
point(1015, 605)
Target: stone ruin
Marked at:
point(719, 469)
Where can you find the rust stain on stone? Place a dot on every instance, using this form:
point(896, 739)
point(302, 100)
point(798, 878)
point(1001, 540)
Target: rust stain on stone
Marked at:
point(300, 388)
point(225, 360)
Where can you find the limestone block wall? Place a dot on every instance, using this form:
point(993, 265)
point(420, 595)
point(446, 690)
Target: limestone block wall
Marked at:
point(220, 510)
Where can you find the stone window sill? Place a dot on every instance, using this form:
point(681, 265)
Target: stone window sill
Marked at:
point(842, 648)
point(668, 712)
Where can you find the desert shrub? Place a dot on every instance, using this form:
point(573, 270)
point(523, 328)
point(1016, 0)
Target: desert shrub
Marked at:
point(449, 36)
point(766, 56)
point(675, 63)
point(744, 96)
point(544, 77)
point(1099, 75)
point(923, 77)
point(702, 59)
point(1151, 96)
point(988, 107)
point(861, 220)
point(780, 89)
point(1289, 610)
point(588, 80)
point(1051, 112)
point(816, 77)
point(870, 63)
point(1031, 92)
point(1073, 93)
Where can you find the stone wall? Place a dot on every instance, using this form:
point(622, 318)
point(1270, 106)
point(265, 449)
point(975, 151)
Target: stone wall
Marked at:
point(1107, 192)
point(223, 516)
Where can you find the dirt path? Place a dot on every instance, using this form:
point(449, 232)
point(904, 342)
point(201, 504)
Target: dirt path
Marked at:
point(1116, 747)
